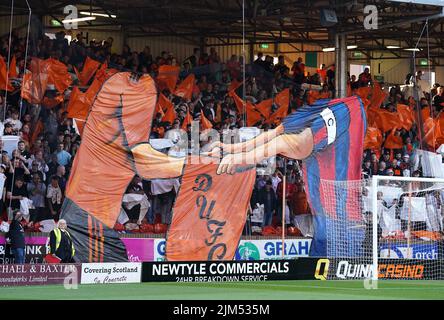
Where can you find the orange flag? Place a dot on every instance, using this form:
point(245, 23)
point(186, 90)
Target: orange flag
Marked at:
point(204, 122)
point(363, 92)
point(237, 101)
point(218, 113)
point(187, 121)
point(158, 109)
point(253, 116)
point(312, 96)
point(278, 115)
point(440, 123)
point(234, 85)
point(163, 103)
point(78, 105)
point(386, 120)
point(264, 107)
point(373, 138)
point(13, 68)
point(433, 132)
point(283, 98)
point(50, 103)
point(90, 66)
point(35, 82)
point(425, 113)
point(406, 117)
point(185, 88)
point(104, 73)
point(366, 104)
point(167, 77)
point(37, 130)
point(80, 124)
point(58, 75)
point(378, 96)
point(214, 207)
point(393, 141)
point(3, 76)
point(349, 90)
point(170, 115)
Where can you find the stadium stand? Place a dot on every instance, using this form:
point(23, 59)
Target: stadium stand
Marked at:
point(210, 91)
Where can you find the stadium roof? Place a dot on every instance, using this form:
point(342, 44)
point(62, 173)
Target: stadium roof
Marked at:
point(272, 21)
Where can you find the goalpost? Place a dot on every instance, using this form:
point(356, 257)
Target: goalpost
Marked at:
point(406, 240)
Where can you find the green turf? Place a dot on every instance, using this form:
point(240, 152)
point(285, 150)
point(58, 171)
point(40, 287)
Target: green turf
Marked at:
point(270, 290)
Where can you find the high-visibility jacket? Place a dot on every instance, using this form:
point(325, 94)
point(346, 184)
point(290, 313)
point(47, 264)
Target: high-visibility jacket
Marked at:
point(58, 236)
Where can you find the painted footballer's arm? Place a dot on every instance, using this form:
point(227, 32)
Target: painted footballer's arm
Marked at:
point(296, 146)
point(246, 146)
point(152, 164)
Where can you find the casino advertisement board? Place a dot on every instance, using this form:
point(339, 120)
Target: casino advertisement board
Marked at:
point(388, 269)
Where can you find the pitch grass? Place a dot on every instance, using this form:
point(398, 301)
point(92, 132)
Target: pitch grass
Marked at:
point(270, 290)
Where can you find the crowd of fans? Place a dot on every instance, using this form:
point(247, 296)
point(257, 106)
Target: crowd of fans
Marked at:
point(39, 169)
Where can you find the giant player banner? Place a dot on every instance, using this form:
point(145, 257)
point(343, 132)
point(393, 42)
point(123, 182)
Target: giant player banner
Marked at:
point(210, 210)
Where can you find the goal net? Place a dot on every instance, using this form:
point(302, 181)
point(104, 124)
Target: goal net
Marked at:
point(404, 243)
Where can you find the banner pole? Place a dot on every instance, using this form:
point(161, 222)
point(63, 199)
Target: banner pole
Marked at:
point(284, 182)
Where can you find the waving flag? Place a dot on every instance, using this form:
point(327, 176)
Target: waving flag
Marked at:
point(386, 120)
point(234, 85)
point(90, 67)
point(185, 88)
point(237, 101)
point(35, 81)
point(283, 98)
point(58, 75)
point(253, 116)
point(78, 106)
point(3, 76)
point(164, 103)
point(50, 103)
point(393, 140)
point(167, 77)
point(80, 103)
point(406, 117)
point(37, 130)
point(373, 138)
point(378, 96)
point(187, 121)
point(278, 115)
point(363, 92)
point(264, 107)
point(167, 108)
point(204, 122)
point(13, 68)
